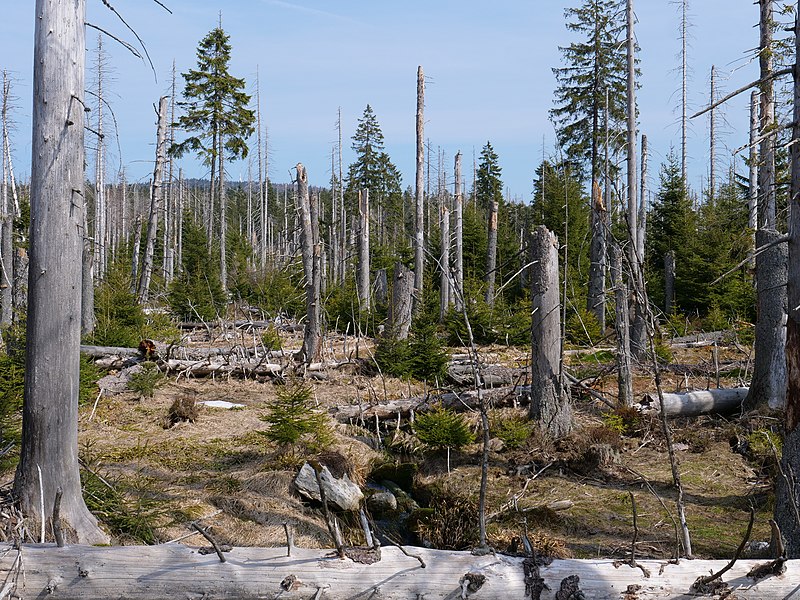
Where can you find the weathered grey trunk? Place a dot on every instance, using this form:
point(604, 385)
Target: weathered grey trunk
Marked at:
point(622, 329)
point(766, 170)
point(156, 197)
point(401, 306)
point(669, 282)
point(419, 222)
point(684, 87)
point(445, 297)
point(491, 255)
point(787, 492)
point(550, 405)
point(381, 287)
point(20, 300)
point(100, 210)
point(768, 386)
point(752, 182)
point(641, 231)
point(49, 451)
point(6, 221)
point(363, 250)
point(458, 209)
point(596, 294)
point(309, 243)
point(223, 217)
point(87, 282)
point(712, 138)
point(639, 328)
point(137, 242)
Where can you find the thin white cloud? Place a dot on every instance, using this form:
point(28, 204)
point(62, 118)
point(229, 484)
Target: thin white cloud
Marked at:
point(311, 11)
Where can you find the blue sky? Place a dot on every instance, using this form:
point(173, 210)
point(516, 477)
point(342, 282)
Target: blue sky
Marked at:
point(488, 66)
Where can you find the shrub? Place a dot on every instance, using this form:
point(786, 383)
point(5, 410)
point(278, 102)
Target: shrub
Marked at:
point(292, 419)
point(513, 430)
point(449, 523)
point(582, 327)
point(443, 428)
point(421, 356)
point(147, 380)
point(183, 410)
point(271, 339)
point(120, 320)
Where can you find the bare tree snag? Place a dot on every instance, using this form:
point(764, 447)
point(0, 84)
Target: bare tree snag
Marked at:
point(787, 492)
point(669, 282)
point(752, 182)
point(766, 171)
point(160, 573)
point(596, 295)
point(309, 241)
point(622, 328)
point(50, 410)
point(363, 250)
point(458, 208)
point(712, 138)
point(550, 407)
point(491, 254)
point(445, 280)
point(419, 223)
point(401, 307)
point(768, 386)
point(156, 197)
point(684, 79)
point(6, 220)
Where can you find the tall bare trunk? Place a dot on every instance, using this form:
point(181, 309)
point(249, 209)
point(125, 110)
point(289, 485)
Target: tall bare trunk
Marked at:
point(787, 493)
point(596, 295)
point(363, 250)
point(766, 172)
point(641, 232)
point(223, 218)
point(550, 407)
point(309, 239)
point(445, 297)
point(419, 223)
point(137, 243)
point(491, 254)
point(400, 309)
point(752, 181)
point(684, 77)
point(622, 328)
point(712, 138)
point(49, 452)
point(669, 282)
point(6, 220)
point(458, 207)
point(156, 197)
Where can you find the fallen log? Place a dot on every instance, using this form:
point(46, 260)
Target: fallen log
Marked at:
point(202, 368)
point(175, 571)
point(699, 402)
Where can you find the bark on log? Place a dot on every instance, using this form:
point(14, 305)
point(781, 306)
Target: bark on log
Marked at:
point(700, 402)
point(176, 571)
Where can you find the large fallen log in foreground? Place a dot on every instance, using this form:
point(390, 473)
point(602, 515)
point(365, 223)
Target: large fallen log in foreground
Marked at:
point(699, 402)
point(175, 571)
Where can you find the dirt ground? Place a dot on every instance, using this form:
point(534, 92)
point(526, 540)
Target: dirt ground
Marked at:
point(222, 471)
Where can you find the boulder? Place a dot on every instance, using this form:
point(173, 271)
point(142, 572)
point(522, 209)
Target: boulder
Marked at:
point(382, 502)
point(341, 494)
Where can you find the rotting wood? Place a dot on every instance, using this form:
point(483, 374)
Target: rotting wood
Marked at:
point(699, 402)
point(156, 572)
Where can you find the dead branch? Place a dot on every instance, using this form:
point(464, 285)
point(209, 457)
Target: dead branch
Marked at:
point(703, 581)
point(734, 93)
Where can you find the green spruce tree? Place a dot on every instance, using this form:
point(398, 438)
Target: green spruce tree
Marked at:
point(217, 114)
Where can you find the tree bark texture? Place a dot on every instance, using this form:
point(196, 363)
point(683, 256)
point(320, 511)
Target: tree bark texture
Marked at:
point(172, 571)
point(156, 197)
point(622, 328)
point(458, 209)
point(445, 296)
point(363, 250)
point(20, 297)
point(49, 452)
point(700, 402)
point(309, 241)
point(752, 180)
point(223, 216)
point(669, 282)
point(419, 223)
point(401, 307)
point(87, 283)
point(550, 407)
point(491, 255)
point(787, 492)
point(768, 386)
point(596, 296)
point(766, 170)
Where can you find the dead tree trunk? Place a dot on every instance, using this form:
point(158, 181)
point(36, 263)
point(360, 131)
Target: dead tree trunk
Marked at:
point(712, 138)
point(419, 223)
point(363, 250)
point(309, 240)
point(445, 298)
point(6, 221)
point(458, 208)
point(156, 193)
point(622, 328)
point(787, 492)
point(401, 307)
point(639, 329)
point(752, 185)
point(596, 295)
point(550, 406)
point(49, 452)
point(491, 255)
point(684, 79)
point(669, 282)
point(641, 231)
point(766, 171)
point(87, 281)
point(137, 242)
point(768, 386)
point(20, 299)
point(223, 217)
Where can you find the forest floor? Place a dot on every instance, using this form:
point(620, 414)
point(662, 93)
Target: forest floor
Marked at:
point(148, 483)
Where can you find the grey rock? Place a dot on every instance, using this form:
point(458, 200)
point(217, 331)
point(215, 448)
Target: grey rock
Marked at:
point(382, 503)
point(341, 494)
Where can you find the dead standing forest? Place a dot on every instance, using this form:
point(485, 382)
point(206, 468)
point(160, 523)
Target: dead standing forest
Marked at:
point(461, 394)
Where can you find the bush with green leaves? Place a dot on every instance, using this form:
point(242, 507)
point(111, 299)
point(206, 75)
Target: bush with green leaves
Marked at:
point(421, 356)
point(513, 430)
point(293, 419)
point(145, 381)
point(442, 428)
point(197, 292)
